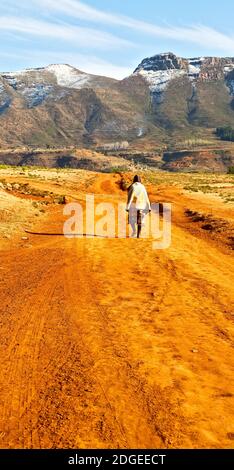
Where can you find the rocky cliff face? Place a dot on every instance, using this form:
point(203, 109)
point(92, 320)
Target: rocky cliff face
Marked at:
point(194, 92)
point(160, 62)
point(160, 69)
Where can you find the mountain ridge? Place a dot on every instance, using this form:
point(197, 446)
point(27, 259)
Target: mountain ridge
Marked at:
point(166, 98)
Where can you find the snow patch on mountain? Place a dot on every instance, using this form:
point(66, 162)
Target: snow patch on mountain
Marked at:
point(65, 76)
point(69, 77)
point(140, 132)
point(36, 94)
point(33, 93)
point(16, 78)
point(5, 104)
point(35, 85)
point(11, 79)
point(194, 67)
point(230, 84)
point(228, 68)
point(5, 99)
point(159, 80)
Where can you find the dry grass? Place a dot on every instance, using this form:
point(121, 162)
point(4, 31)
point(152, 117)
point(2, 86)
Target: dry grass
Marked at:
point(220, 185)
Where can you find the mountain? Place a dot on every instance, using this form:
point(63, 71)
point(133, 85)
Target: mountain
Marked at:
point(62, 105)
point(166, 99)
point(195, 92)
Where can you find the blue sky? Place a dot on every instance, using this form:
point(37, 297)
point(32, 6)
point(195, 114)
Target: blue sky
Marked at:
point(110, 37)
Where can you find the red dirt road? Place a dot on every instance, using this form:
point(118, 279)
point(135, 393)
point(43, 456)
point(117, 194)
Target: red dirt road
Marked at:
point(108, 343)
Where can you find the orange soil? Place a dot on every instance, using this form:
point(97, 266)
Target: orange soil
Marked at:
point(108, 343)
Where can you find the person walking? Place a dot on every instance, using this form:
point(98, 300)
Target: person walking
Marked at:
point(136, 214)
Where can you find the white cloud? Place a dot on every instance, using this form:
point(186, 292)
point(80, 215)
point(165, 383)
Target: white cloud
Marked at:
point(42, 18)
point(198, 34)
point(86, 37)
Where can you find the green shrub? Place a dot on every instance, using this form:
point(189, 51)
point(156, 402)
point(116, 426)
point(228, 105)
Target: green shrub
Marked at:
point(225, 133)
point(118, 169)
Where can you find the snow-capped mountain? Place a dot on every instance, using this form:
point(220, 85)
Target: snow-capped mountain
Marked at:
point(165, 94)
point(69, 77)
point(159, 70)
point(36, 85)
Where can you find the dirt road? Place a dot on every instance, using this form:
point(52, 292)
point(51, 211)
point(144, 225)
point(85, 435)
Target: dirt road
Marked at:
point(108, 343)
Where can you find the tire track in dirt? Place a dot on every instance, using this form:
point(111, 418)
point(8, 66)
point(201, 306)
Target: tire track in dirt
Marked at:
point(151, 400)
point(23, 351)
point(39, 363)
point(109, 369)
point(133, 388)
point(195, 296)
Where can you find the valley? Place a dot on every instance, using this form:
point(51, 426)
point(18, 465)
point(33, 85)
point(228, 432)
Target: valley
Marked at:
point(215, 157)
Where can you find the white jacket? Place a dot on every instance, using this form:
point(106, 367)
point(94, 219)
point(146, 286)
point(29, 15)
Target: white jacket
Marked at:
point(137, 191)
